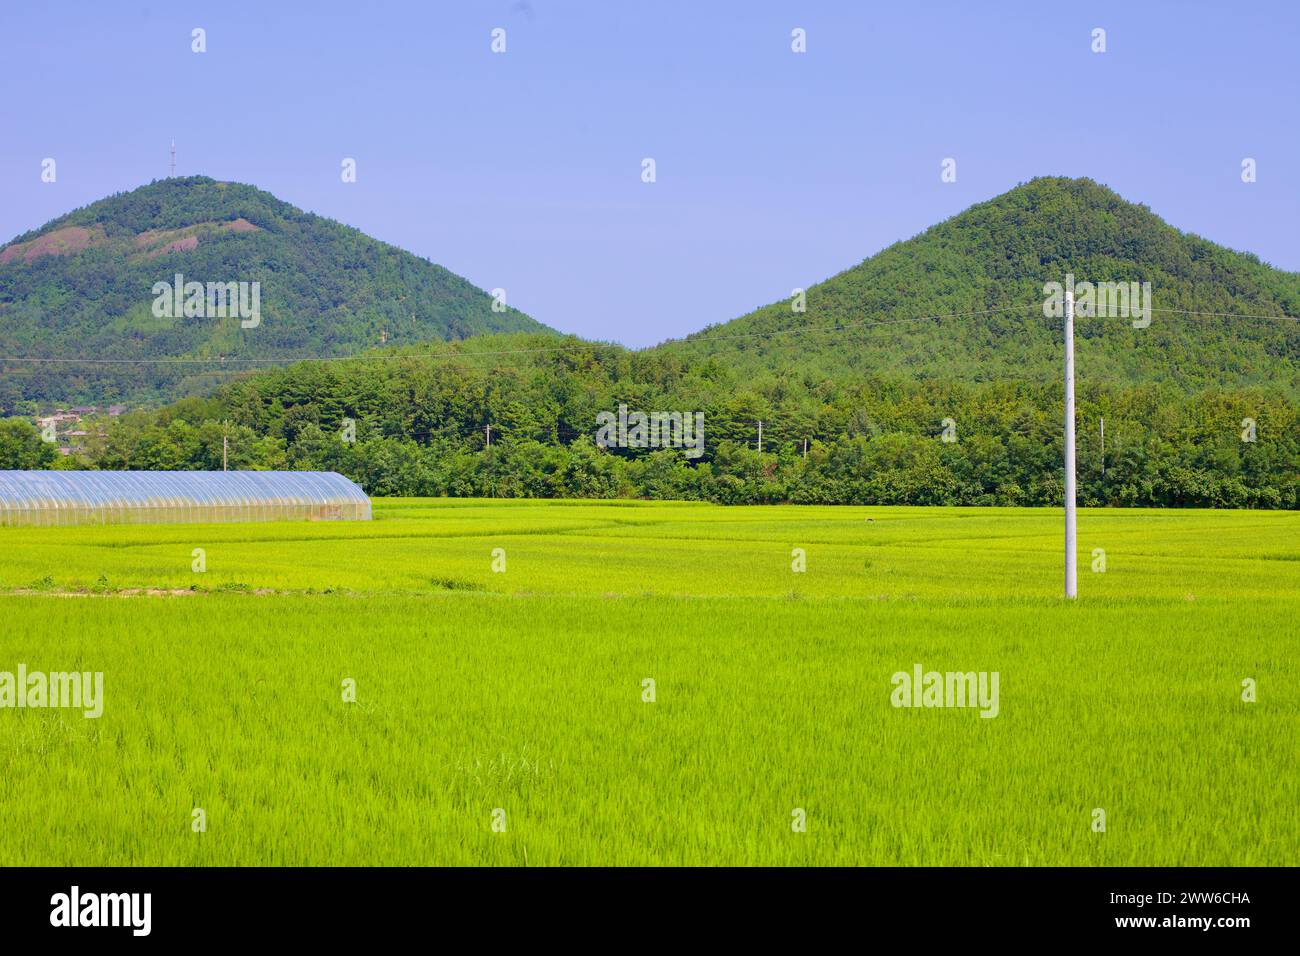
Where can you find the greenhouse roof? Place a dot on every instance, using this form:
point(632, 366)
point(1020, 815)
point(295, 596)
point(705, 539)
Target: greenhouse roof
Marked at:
point(40, 490)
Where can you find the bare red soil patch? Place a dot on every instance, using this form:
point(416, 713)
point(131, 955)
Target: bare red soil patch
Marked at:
point(180, 245)
point(60, 242)
point(159, 241)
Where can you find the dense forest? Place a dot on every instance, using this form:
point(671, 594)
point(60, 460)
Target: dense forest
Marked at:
point(81, 286)
point(421, 414)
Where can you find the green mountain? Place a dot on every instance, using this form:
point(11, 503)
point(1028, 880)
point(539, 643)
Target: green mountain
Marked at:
point(873, 407)
point(997, 256)
point(83, 286)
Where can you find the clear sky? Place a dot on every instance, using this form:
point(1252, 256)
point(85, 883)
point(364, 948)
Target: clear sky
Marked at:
point(522, 170)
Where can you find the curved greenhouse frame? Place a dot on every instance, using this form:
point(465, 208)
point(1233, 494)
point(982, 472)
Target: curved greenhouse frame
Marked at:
point(176, 497)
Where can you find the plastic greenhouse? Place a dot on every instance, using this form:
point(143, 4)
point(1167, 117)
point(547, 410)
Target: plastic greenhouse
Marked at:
point(165, 497)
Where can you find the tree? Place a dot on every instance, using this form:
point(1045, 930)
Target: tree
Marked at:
point(21, 446)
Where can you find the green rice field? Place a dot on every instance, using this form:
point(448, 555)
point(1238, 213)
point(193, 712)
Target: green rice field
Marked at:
point(500, 653)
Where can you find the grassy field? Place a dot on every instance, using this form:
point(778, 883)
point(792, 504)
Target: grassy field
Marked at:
point(522, 689)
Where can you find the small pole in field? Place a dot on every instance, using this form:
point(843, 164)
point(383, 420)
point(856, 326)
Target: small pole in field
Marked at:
point(760, 436)
point(1071, 571)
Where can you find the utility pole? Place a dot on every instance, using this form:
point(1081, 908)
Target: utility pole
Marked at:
point(1103, 448)
point(173, 172)
point(488, 429)
point(805, 448)
point(1071, 571)
point(225, 446)
point(760, 436)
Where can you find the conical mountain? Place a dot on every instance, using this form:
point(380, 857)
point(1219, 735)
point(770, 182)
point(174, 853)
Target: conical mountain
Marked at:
point(83, 286)
point(987, 268)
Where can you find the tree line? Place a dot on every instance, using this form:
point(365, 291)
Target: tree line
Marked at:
point(414, 422)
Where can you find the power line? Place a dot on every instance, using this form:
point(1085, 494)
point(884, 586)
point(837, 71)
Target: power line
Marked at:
point(698, 338)
point(1224, 315)
point(586, 346)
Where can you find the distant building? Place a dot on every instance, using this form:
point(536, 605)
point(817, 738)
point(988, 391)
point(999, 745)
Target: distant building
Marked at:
point(58, 417)
point(175, 497)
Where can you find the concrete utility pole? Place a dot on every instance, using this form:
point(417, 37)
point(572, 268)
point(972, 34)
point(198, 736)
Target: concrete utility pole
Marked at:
point(1103, 448)
point(805, 448)
point(225, 448)
point(488, 429)
point(760, 436)
point(1071, 571)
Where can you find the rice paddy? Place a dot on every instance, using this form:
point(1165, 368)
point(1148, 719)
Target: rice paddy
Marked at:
point(533, 683)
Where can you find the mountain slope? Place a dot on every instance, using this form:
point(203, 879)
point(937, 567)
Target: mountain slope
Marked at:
point(81, 286)
point(1000, 253)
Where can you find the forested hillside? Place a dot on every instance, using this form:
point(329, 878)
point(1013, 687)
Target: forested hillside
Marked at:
point(987, 267)
point(81, 287)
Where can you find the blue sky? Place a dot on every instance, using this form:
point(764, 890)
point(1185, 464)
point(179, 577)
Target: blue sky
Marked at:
point(522, 170)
